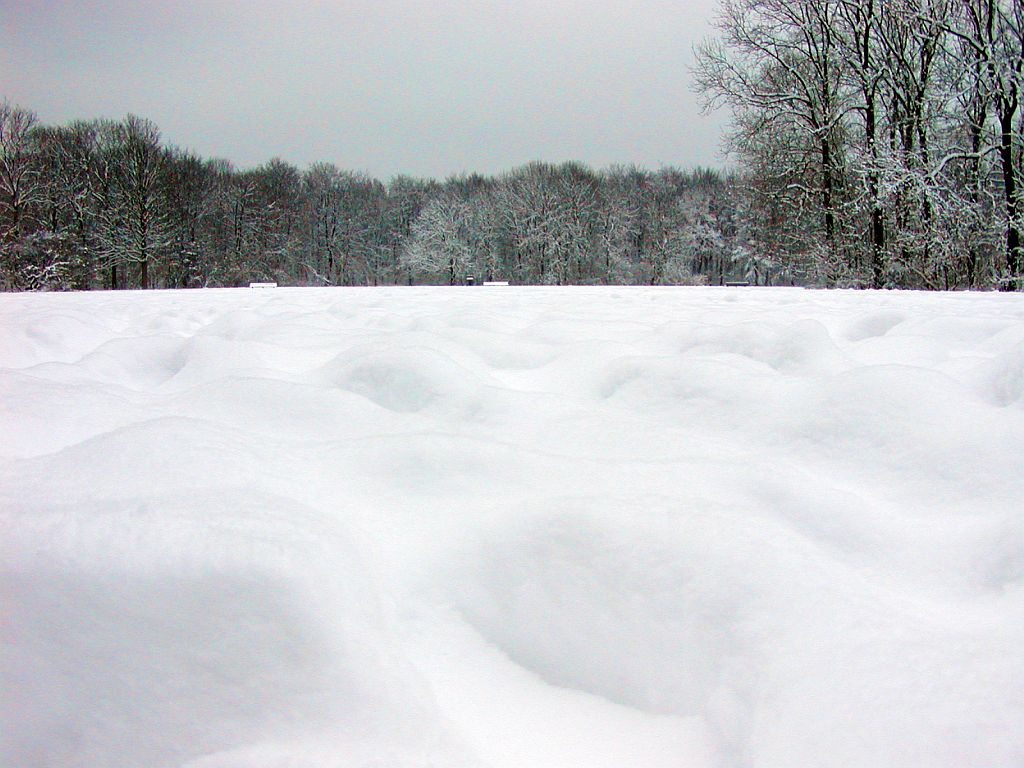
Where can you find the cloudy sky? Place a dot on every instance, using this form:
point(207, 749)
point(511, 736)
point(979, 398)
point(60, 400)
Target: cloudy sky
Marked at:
point(384, 86)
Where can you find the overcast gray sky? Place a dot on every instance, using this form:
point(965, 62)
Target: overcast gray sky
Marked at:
point(384, 86)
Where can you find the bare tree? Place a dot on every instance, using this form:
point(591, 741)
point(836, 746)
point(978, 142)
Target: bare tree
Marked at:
point(439, 239)
point(138, 233)
point(20, 185)
point(779, 66)
point(992, 32)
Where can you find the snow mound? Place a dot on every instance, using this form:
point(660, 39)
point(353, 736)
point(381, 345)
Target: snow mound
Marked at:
point(147, 632)
point(536, 527)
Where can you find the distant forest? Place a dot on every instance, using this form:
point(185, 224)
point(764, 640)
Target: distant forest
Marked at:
point(878, 144)
point(104, 204)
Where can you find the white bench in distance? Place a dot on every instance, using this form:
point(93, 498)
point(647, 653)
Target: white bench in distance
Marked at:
point(263, 285)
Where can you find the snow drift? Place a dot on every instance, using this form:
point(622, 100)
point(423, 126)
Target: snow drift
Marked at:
point(511, 527)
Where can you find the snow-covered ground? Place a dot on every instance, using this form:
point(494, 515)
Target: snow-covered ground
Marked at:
point(519, 527)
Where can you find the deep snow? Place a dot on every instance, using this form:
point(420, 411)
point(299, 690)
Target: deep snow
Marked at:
point(519, 527)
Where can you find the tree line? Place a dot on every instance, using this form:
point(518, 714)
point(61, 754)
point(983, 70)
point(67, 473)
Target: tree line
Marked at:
point(881, 139)
point(877, 142)
point(104, 204)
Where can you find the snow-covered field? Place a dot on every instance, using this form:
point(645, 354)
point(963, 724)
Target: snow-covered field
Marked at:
point(518, 527)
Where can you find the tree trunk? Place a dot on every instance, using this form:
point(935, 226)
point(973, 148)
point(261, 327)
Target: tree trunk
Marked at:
point(827, 193)
point(1013, 246)
point(927, 213)
point(144, 247)
point(877, 219)
point(973, 256)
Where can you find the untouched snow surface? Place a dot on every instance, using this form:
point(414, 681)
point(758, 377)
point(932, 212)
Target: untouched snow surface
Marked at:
point(512, 527)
